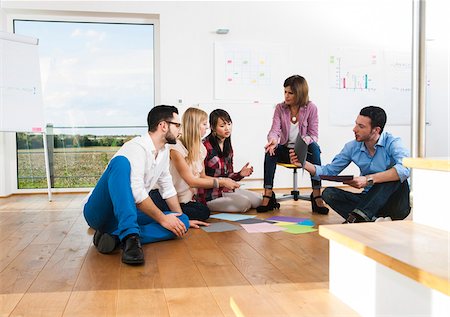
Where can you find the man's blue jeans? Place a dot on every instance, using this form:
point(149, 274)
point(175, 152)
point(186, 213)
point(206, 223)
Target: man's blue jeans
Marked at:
point(282, 156)
point(111, 207)
point(389, 199)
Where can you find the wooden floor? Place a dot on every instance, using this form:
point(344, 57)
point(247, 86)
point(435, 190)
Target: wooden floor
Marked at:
point(49, 267)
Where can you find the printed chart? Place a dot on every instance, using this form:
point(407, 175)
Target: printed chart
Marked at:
point(358, 78)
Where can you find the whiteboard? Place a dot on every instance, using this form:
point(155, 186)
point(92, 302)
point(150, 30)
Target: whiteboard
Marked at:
point(21, 106)
point(364, 77)
point(249, 72)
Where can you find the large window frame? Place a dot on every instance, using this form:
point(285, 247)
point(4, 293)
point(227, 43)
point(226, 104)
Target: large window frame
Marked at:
point(72, 16)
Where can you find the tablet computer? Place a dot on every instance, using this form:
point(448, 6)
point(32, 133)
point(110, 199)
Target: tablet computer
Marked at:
point(301, 149)
point(337, 178)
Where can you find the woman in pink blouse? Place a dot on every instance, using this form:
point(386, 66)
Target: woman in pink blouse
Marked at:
point(296, 115)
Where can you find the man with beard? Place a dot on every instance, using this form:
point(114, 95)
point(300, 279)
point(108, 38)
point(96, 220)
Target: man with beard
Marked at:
point(119, 207)
point(379, 157)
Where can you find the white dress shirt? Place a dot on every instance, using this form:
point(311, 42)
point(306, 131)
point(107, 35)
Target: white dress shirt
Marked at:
point(147, 172)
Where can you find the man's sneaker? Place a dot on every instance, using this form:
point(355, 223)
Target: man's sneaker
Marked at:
point(105, 242)
point(354, 217)
point(382, 219)
point(132, 251)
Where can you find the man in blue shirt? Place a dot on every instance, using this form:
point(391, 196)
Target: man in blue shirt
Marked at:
point(379, 157)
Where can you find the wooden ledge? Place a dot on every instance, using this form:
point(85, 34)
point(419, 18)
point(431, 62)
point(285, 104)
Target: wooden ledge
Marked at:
point(414, 250)
point(436, 164)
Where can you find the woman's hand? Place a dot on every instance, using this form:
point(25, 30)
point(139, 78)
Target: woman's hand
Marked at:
point(197, 223)
point(271, 146)
point(294, 159)
point(246, 170)
point(228, 183)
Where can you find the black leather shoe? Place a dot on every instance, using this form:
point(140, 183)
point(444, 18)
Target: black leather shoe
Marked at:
point(105, 242)
point(132, 251)
point(316, 208)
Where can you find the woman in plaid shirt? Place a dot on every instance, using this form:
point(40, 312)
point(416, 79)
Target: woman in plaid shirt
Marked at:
point(219, 163)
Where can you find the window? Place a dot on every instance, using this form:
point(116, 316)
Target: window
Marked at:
point(98, 85)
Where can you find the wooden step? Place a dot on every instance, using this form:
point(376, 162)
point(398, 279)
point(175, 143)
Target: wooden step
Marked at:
point(414, 250)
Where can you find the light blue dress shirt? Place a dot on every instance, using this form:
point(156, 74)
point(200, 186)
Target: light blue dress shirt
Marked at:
point(389, 152)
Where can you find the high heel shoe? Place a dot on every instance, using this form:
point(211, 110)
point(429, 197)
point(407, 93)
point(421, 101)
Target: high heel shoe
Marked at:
point(316, 208)
point(271, 205)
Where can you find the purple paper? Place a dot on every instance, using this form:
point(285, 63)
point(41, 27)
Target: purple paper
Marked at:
point(286, 219)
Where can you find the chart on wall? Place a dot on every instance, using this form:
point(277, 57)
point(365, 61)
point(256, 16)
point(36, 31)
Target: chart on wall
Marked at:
point(248, 71)
point(369, 77)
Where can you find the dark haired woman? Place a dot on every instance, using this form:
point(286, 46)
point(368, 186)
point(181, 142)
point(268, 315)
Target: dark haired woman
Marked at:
point(219, 163)
point(296, 115)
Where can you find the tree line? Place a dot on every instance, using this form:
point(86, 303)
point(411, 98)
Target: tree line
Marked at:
point(27, 141)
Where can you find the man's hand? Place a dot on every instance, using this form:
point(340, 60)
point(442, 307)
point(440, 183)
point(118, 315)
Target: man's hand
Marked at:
point(197, 223)
point(271, 146)
point(357, 182)
point(294, 159)
point(246, 170)
point(173, 223)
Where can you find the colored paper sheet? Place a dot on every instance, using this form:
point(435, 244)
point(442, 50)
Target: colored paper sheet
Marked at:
point(262, 227)
point(220, 227)
point(231, 217)
point(296, 229)
point(287, 219)
point(252, 220)
point(282, 223)
point(307, 222)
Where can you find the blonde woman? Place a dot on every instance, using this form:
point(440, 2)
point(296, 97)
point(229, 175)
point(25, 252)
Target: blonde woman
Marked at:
point(187, 165)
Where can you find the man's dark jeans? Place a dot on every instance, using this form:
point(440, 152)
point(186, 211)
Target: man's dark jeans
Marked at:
point(389, 199)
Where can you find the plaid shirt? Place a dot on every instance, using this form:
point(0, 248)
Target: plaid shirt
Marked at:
point(216, 166)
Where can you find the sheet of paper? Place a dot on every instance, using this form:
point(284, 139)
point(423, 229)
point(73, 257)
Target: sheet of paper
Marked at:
point(296, 229)
point(307, 222)
point(220, 227)
point(262, 227)
point(286, 219)
point(252, 220)
point(231, 217)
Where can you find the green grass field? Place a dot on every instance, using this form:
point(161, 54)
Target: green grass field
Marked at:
point(72, 167)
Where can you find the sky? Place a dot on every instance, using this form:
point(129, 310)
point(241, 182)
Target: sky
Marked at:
point(94, 74)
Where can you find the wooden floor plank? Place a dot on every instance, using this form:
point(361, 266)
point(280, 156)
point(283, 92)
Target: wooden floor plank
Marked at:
point(50, 291)
point(232, 291)
point(185, 289)
point(95, 291)
point(140, 288)
point(17, 277)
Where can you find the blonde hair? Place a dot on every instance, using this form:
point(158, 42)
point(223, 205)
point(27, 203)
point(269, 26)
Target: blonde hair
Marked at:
point(191, 138)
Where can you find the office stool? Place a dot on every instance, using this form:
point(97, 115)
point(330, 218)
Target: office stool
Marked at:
point(295, 193)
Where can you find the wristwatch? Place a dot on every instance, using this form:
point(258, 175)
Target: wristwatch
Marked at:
point(369, 180)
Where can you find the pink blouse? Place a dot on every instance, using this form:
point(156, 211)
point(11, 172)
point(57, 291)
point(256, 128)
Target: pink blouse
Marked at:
point(308, 123)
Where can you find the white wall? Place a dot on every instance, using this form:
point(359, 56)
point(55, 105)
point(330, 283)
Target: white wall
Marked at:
point(310, 30)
